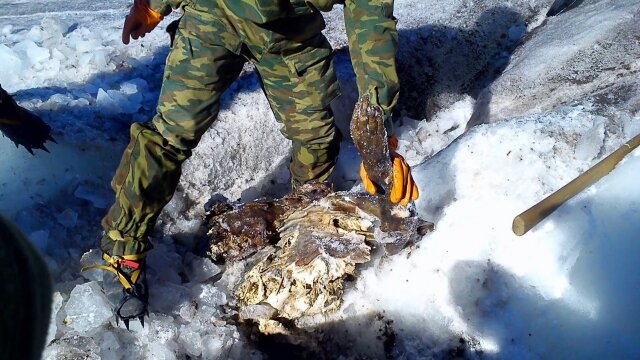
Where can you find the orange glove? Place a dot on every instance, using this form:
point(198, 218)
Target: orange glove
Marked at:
point(140, 21)
point(403, 187)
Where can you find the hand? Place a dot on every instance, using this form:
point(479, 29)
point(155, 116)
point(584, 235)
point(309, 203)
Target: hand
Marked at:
point(403, 187)
point(140, 21)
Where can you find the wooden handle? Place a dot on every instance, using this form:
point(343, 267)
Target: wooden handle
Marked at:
point(531, 217)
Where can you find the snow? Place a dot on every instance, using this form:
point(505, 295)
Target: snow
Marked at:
point(500, 107)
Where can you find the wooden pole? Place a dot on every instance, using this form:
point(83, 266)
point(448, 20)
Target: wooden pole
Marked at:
point(538, 212)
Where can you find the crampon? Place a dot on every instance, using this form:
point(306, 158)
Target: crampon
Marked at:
point(130, 270)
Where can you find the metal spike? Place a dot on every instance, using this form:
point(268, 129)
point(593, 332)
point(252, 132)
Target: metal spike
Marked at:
point(141, 318)
point(50, 138)
point(44, 148)
point(30, 150)
point(117, 320)
point(126, 323)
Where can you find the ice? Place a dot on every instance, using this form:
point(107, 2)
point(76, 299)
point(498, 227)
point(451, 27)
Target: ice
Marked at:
point(136, 85)
point(40, 239)
point(110, 347)
point(207, 314)
point(11, 66)
point(67, 218)
point(117, 102)
point(165, 264)
point(187, 311)
point(99, 199)
point(100, 58)
point(87, 44)
point(56, 55)
point(200, 269)
point(209, 295)
point(72, 346)
point(222, 343)
point(127, 100)
point(129, 104)
point(30, 51)
point(166, 297)
point(157, 351)
point(55, 307)
point(212, 346)
point(92, 257)
point(190, 340)
point(56, 102)
point(6, 30)
point(132, 343)
point(88, 307)
point(104, 100)
point(256, 312)
point(163, 329)
point(591, 142)
point(51, 27)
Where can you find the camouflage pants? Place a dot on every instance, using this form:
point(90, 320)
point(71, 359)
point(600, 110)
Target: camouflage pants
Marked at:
point(210, 49)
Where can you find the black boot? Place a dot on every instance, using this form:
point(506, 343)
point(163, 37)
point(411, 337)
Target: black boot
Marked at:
point(126, 259)
point(135, 299)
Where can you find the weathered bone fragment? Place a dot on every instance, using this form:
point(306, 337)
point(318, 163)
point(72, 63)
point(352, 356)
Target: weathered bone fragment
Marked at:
point(304, 246)
point(318, 247)
point(238, 231)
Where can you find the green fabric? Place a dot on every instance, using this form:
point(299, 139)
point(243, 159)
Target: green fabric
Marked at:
point(284, 41)
point(26, 289)
point(370, 26)
point(209, 51)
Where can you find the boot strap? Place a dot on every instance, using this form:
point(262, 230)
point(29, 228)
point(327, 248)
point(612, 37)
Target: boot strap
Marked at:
point(114, 265)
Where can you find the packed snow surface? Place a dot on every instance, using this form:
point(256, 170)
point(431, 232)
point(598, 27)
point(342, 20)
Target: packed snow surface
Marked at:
point(500, 106)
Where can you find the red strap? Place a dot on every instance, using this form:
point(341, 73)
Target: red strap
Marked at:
point(130, 263)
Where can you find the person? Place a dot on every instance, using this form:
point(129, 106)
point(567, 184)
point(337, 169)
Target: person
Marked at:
point(21, 126)
point(214, 39)
point(27, 291)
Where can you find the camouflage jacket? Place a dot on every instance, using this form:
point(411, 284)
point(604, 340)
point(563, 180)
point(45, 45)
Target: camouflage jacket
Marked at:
point(370, 26)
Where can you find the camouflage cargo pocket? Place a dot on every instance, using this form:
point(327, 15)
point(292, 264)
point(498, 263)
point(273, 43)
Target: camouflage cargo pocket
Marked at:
point(300, 61)
point(314, 75)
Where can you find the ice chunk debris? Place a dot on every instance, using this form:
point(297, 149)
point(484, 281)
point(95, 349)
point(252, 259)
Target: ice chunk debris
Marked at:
point(40, 239)
point(109, 347)
point(158, 351)
point(92, 257)
point(11, 65)
point(68, 218)
point(591, 142)
point(73, 346)
point(99, 199)
point(88, 307)
point(53, 325)
point(209, 295)
point(166, 297)
point(29, 50)
point(200, 269)
point(116, 102)
point(191, 340)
